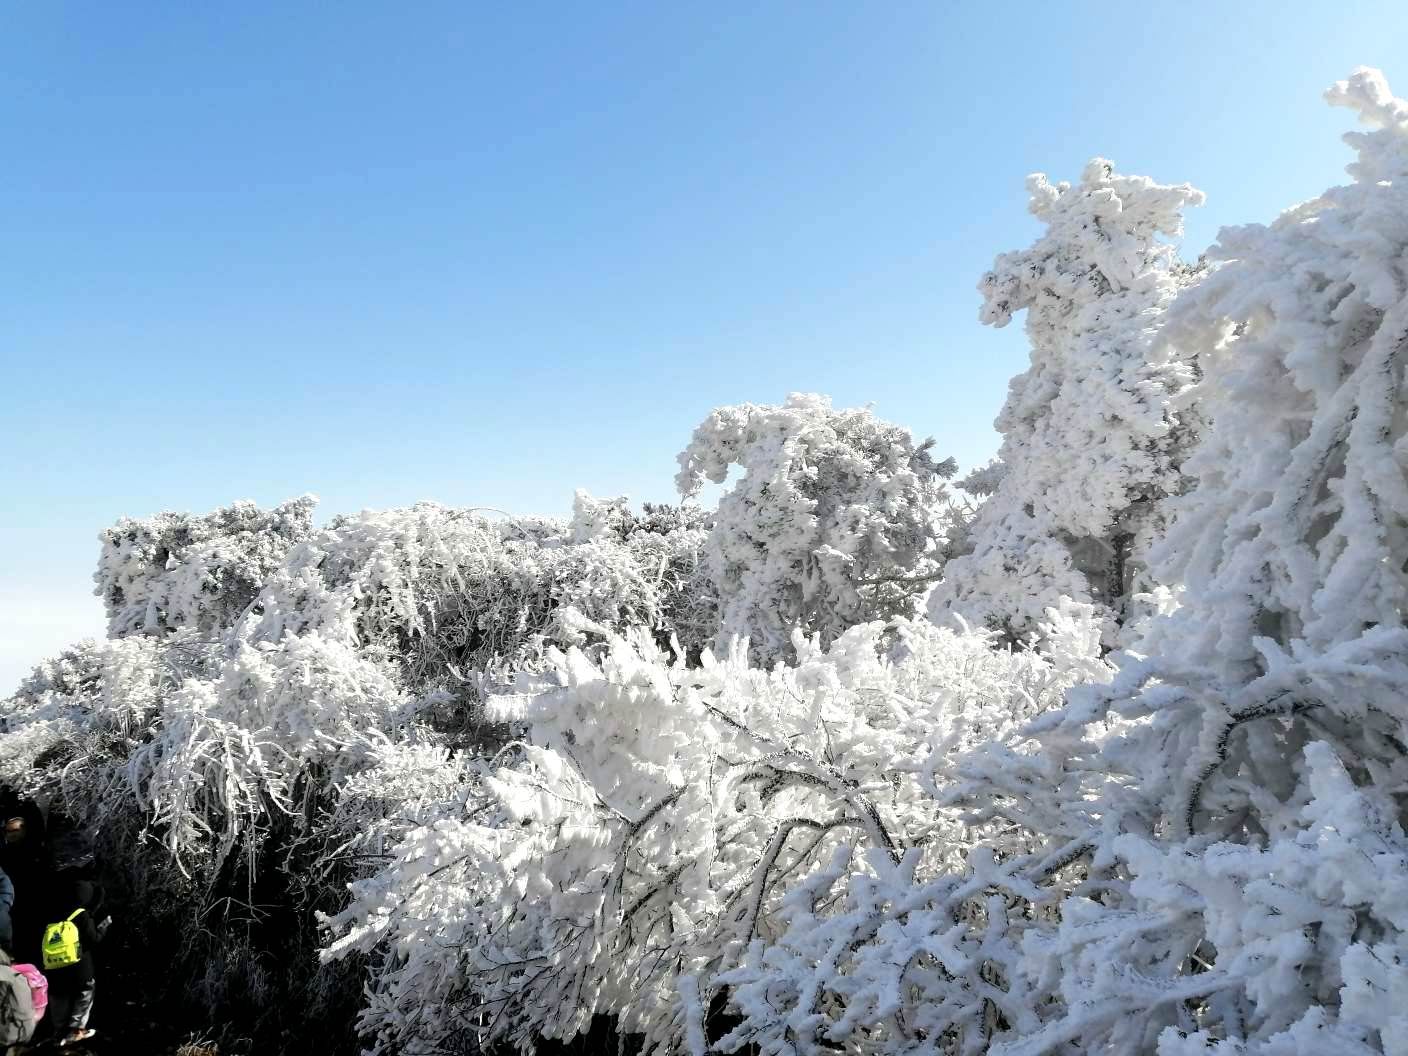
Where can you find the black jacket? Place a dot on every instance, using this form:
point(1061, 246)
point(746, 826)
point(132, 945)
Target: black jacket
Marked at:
point(32, 884)
point(88, 896)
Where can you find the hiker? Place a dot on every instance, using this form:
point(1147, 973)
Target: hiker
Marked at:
point(7, 903)
point(26, 867)
point(17, 1018)
point(13, 805)
point(22, 987)
point(21, 844)
point(70, 939)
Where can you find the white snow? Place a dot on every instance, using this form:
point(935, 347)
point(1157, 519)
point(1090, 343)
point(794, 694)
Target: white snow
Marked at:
point(1135, 783)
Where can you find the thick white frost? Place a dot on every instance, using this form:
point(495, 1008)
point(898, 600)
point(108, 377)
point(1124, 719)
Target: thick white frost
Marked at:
point(1091, 438)
point(833, 520)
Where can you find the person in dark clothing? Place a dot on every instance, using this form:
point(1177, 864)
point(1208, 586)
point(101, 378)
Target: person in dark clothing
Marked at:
point(7, 903)
point(13, 805)
point(23, 860)
point(73, 987)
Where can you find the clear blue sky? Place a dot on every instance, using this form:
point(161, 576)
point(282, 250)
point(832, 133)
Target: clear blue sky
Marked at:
point(487, 254)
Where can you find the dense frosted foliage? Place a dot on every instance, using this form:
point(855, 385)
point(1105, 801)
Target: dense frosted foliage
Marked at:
point(651, 824)
point(282, 665)
point(174, 570)
point(1091, 442)
point(831, 522)
point(1263, 826)
point(449, 591)
point(505, 781)
point(1301, 500)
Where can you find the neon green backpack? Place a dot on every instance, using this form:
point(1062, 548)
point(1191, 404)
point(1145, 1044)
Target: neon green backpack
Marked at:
point(61, 947)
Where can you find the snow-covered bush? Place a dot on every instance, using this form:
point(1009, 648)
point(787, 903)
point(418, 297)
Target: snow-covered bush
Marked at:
point(177, 570)
point(234, 751)
point(71, 725)
point(263, 650)
point(450, 592)
point(833, 520)
point(208, 739)
point(667, 542)
point(1091, 438)
point(644, 837)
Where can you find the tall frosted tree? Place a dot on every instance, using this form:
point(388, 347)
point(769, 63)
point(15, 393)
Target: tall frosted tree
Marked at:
point(833, 521)
point(1295, 531)
point(1091, 443)
point(1237, 792)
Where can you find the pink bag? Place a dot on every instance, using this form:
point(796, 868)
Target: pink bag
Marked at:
point(38, 988)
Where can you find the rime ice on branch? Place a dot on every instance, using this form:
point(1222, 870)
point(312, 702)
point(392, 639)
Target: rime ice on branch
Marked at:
point(664, 824)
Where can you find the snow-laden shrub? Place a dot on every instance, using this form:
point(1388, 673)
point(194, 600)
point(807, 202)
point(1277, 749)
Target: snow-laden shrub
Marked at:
point(1091, 438)
point(449, 592)
point(667, 542)
point(69, 729)
point(832, 522)
point(222, 755)
point(178, 570)
point(231, 752)
point(284, 652)
point(594, 518)
point(916, 952)
point(644, 837)
point(208, 740)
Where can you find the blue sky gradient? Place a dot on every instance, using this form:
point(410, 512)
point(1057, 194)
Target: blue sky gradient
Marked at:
point(485, 255)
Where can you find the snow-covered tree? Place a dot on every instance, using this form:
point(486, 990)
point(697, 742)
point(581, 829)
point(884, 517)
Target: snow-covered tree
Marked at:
point(1284, 674)
point(833, 520)
point(450, 592)
point(178, 570)
point(1091, 440)
point(1236, 793)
